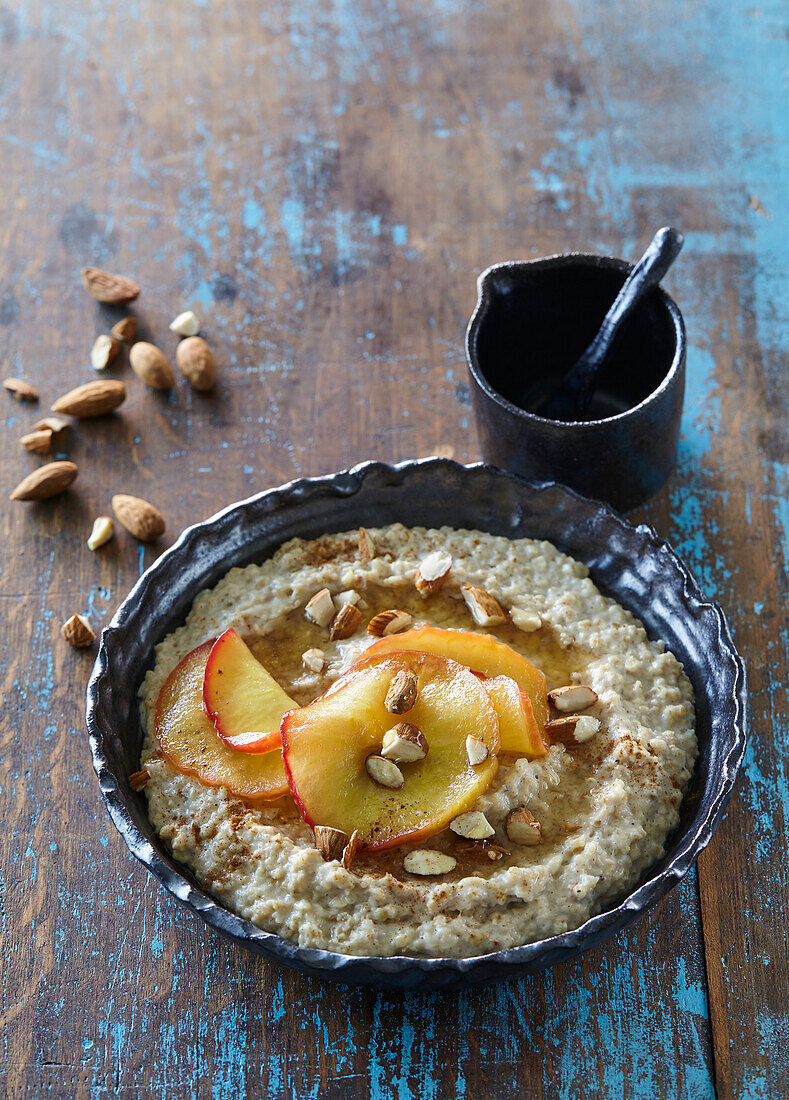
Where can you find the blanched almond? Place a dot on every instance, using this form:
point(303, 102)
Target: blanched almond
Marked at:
point(472, 825)
point(139, 517)
point(573, 698)
point(523, 827)
point(404, 744)
point(476, 750)
point(384, 772)
point(185, 324)
point(432, 572)
point(47, 481)
point(401, 694)
point(389, 622)
point(93, 399)
point(485, 609)
point(78, 632)
point(103, 530)
point(346, 622)
point(320, 608)
point(428, 861)
point(330, 842)
point(150, 364)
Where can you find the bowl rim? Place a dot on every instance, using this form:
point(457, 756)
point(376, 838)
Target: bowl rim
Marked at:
point(509, 961)
point(574, 259)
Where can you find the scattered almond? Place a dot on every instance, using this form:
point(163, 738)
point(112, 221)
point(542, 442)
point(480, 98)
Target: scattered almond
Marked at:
point(527, 621)
point(389, 622)
point(195, 361)
point(346, 622)
point(384, 772)
point(349, 597)
point(139, 517)
point(78, 632)
point(432, 572)
point(366, 545)
point(185, 324)
point(137, 780)
point(523, 827)
point(401, 694)
point(22, 391)
point(476, 750)
point(104, 350)
point(572, 729)
point(93, 399)
point(108, 288)
point(404, 744)
point(150, 364)
point(586, 727)
point(47, 481)
point(314, 659)
point(483, 852)
point(39, 442)
point(428, 861)
point(573, 698)
point(55, 424)
point(103, 530)
point(351, 848)
point(321, 608)
point(472, 825)
point(330, 842)
point(485, 609)
point(125, 329)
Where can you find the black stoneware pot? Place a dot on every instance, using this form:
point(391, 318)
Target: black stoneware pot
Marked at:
point(533, 320)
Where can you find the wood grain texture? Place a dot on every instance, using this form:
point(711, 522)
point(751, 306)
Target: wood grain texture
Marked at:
point(322, 183)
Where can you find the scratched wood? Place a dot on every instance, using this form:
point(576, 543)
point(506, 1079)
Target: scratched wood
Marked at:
point(322, 183)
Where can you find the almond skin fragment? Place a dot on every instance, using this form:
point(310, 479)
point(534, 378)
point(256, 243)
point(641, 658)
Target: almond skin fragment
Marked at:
point(320, 609)
point(108, 288)
point(137, 780)
point(346, 622)
point(428, 861)
point(125, 329)
point(39, 442)
point(523, 827)
point(389, 622)
point(150, 364)
point(432, 572)
point(47, 481)
point(351, 848)
point(93, 399)
point(574, 697)
point(330, 842)
point(22, 391)
point(195, 361)
point(104, 350)
point(78, 632)
point(484, 608)
point(401, 694)
point(384, 772)
point(404, 744)
point(139, 517)
point(366, 545)
point(472, 825)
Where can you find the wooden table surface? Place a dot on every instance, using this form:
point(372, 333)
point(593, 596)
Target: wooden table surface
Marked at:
point(322, 182)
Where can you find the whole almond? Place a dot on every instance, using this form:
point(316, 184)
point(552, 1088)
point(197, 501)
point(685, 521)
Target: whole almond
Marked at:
point(39, 442)
point(125, 329)
point(139, 517)
point(46, 481)
point(22, 391)
point(109, 288)
point(150, 364)
point(93, 399)
point(195, 361)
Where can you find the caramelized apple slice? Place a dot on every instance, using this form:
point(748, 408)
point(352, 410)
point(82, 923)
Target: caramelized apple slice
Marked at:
point(326, 746)
point(245, 704)
point(518, 729)
point(187, 737)
point(479, 652)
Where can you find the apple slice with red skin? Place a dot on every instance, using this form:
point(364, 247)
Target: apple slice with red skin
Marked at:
point(187, 738)
point(480, 652)
point(518, 729)
point(243, 701)
point(326, 744)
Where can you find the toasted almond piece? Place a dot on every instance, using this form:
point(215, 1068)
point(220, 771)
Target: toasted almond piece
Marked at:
point(125, 329)
point(476, 750)
point(527, 621)
point(572, 729)
point(428, 861)
point(139, 517)
point(404, 744)
point(351, 848)
point(78, 632)
point(523, 827)
point(346, 622)
point(109, 288)
point(401, 694)
point(185, 324)
point(314, 659)
point(483, 852)
point(137, 780)
point(389, 622)
point(22, 391)
point(47, 481)
point(150, 364)
point(485, 609)
point(472, 825)
point(55, 424)
point(432, 572)
point(104, 350)
point(573, 698)
point(93, 399)
point(320, 608)
point(349, 597)
point(39, 442)
point(195, 361)
point(384, 772)
point(366, 545)
point(586, 727)
point(330, 842)
point(103, 530)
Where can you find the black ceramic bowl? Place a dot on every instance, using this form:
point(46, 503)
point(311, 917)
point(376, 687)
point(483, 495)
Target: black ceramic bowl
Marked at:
point(533, 320)
point(629, 563)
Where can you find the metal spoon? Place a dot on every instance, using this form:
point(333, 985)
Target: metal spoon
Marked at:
point(572, 397)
